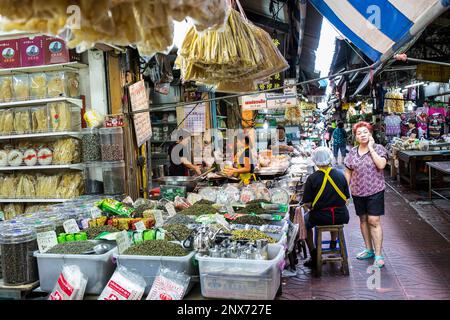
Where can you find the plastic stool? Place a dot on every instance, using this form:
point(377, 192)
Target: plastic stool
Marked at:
point(341, 248)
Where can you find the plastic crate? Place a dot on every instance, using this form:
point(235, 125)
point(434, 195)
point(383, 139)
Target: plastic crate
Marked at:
point(97, 268)
point(148, 266)
point(242, 279)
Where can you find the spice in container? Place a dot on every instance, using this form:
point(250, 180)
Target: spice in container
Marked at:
point(111, 144)
point(114, 177)
point(90, 141)
point(93, 178)
point(17, 245)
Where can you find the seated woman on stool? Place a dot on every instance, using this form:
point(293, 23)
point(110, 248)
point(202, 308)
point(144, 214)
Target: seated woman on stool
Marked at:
point(326, 194)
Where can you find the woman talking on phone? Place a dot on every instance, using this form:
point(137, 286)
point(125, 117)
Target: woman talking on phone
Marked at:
point(365, 174)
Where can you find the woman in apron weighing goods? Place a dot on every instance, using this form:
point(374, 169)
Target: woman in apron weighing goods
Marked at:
point(244, 162)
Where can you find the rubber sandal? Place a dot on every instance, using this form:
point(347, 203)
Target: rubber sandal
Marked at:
point(366, 254)
point(377, 264)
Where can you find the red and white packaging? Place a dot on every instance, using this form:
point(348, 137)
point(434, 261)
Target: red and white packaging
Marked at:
point(55, 50)
point(71, 284)
point(10, 54)
point(123, 285)
point(32, 51)
point(169, 285)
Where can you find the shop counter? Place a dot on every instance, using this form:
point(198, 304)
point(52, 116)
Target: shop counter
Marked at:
point(443, 168)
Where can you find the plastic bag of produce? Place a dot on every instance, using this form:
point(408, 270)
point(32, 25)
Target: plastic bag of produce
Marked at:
point(123, 285)
point(169, 285)
point(71, 284)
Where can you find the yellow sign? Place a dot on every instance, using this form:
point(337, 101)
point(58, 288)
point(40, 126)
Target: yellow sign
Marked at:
point(433, 72)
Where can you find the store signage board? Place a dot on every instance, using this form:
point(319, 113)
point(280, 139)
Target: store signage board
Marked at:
point(434, 73)
point(280, 101)
point(254, 102)
point(140, 101)
point(290, 90)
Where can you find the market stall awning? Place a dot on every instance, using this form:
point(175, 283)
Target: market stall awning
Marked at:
point(380, 27)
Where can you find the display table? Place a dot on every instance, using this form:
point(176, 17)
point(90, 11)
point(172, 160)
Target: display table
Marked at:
point(442, 167)
point(410, 161)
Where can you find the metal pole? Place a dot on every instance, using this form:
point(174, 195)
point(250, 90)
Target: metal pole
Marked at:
point(405, 58)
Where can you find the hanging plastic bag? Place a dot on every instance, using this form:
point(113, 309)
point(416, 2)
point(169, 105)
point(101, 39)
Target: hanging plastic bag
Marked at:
point(71, 284)
point(169, 285)
point(124, 285)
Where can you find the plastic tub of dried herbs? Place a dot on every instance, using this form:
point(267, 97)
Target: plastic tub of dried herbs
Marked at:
point(161, 248)
point(179, 219)
point(176, 232)
point(73, 247)
point(94, 232)
point(249, 219)
point(201, 207)
point(254, 207)
point(251, 235)
point(17, 245)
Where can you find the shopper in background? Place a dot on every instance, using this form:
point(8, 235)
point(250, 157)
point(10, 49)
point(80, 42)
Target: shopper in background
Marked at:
point(364, 172)
point(280, 144)
point(325, 194)
point(328, 134)
point(339, 141)
point(413, 132)
point(178, 155)
point(378, 130)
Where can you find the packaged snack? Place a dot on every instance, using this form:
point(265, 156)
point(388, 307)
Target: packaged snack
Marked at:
point(10, 55)
point(38, 86)
point(66, 151)
point(21, 87)
point(32, 51)
point(6, 89)
point(71, 284)
point(60, 116)
point(114, 206)
point(6, 121)
point(15, 158)
point(169, 285)
point(30, 157)
point(56, 84)
point(46, 186)
point(124, 285)
point(39, 119)
point(73, 84)
point(45, 156)
point(25, 186)
point(22, 120)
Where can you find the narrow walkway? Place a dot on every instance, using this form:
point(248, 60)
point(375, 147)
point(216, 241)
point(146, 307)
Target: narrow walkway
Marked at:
point(417, 258)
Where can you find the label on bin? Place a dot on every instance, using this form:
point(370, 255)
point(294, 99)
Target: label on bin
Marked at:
point(123, 241)
point(140, 226)
point(159, 220)
point(170, 209)
point(71, 226)
point(46, 241)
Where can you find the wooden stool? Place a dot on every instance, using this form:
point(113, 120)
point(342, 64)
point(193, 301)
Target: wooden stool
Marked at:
point(341, 248)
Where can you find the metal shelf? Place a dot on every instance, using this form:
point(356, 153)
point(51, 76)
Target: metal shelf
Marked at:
point(77, 166)
point(77, 102)
point(69, 66)
point(42, 135)
point(163, 123)
point(32, 200)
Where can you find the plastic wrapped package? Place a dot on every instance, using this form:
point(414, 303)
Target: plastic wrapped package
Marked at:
point(56, 84)
point(3, 158)
point(60, 116)
point(12, 210)
point(6, 89)
point(45, 156)
point(169, 285)
point(8, 186)
point(71, 284)
point(73, 84)
point(21, 87)
point(124, 285)
point(26, 186)
point(66, 151)
point(71, 185)
point(47, 185)
point(30, 157)
point(6, 121)
point(38, 86)
point(39, 119)
point(22, 120)
point(15, 158)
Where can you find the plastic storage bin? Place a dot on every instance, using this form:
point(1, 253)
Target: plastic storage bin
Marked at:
point(148, 266)
point(17, 245)
point(90, 141)
point(93, 181)
point(97, 268)
point(114, 177)
point(111, 144)
point(242, 279)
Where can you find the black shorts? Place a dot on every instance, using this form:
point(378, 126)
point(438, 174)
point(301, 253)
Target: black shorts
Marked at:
point(371, 205)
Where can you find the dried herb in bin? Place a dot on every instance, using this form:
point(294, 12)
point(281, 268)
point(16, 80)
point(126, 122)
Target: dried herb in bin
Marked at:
point(249, 219)
point(254, 207)
point(252, 235)
point(94, 232)
point(74, 247)
point(199, 208)
point(156, 248)
point(176, 232)
point(180, 219)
